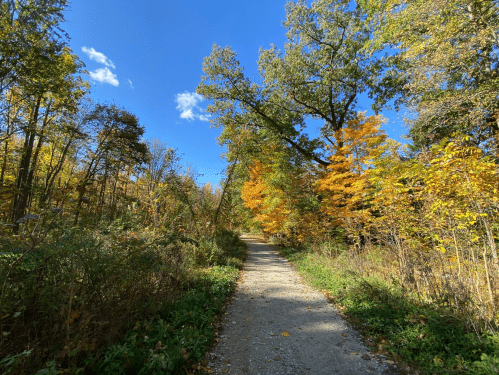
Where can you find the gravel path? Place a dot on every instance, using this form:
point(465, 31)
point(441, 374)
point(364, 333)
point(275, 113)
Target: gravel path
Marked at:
point(276, 324)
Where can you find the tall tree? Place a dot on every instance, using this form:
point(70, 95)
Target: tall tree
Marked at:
point(55, 88)
point(30, 32)
point(344, 187)
point(116, 141)
point(320, 74)
point(446, 65)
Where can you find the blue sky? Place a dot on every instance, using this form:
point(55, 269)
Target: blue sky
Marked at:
point(146, 56)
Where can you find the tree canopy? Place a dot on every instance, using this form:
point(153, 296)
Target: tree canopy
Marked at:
point(320, 74)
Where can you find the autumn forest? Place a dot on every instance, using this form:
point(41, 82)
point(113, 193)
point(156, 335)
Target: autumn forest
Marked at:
point(102, 231)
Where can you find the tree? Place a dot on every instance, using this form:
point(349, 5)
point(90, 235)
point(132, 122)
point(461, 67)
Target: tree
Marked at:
point(268, 203)
point(446, 65)
point(345, 184)
point(163, 160)
point(64, 142)
point(43, 96)
point(30, 33)
point(117, 142)
point(320, 74)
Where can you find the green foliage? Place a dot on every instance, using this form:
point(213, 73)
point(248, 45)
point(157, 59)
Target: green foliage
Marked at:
point(319, 75)
point(224, 248)
point(11, 361)
point(30, 36)
point(180, 335)
point(91, 284)
point(444, 65)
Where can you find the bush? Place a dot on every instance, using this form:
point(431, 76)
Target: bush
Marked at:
point(178, 336)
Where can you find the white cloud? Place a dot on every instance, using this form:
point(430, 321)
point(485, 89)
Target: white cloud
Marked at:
point(187, 104)
point(98, 57)
point(131, 84)
point(104, 75)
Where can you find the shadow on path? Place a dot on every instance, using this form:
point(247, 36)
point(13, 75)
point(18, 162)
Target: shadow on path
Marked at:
point(276, 324)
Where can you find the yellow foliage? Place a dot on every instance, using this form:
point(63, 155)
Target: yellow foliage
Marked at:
point(344, 185)
point(266, 202)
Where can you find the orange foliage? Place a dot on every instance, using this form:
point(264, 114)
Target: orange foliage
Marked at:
point(344, 185)
point(267, 203)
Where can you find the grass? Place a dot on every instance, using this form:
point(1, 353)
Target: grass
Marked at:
point(430, 340)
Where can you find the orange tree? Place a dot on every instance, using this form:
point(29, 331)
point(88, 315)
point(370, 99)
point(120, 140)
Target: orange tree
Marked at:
point(343, 186)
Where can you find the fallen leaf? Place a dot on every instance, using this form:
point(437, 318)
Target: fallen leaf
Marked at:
point(344, 334)
point(285, 334)
point(157, 347)
point(225, 371)
point(310, 307)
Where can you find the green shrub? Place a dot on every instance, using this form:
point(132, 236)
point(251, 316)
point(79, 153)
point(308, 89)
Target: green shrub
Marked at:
point(180, 335)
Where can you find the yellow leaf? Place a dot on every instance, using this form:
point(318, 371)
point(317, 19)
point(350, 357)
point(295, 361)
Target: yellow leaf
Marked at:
point(285, 334)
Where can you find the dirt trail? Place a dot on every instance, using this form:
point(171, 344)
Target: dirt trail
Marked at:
point(271, 299)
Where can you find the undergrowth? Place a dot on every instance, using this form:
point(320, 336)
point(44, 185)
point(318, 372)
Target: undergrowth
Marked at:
point(429, 338)
point(112, 300)
point(177, 338)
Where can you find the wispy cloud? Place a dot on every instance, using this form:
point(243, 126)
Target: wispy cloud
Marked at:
point(98, 57)
point(105, 75)
point(187, 104)
point(131, 84)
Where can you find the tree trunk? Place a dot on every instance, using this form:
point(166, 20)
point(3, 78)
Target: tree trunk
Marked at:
point(21, 197)
point(34, 162)
point(4, 163)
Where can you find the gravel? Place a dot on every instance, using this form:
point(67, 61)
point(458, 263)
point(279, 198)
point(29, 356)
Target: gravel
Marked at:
point(275, 324)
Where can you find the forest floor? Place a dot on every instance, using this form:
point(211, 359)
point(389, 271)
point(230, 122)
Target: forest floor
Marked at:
point(276, 324)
